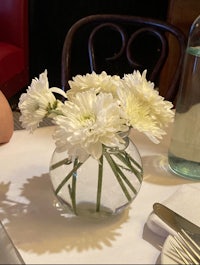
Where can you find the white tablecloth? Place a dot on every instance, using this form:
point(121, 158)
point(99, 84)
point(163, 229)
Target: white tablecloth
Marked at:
point(43, 236)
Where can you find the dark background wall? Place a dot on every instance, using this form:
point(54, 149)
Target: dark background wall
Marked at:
point(51, 19)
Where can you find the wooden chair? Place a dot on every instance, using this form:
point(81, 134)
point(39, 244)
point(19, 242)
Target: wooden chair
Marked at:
point(119, 44)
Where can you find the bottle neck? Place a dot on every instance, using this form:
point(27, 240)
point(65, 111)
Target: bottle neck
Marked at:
point(194, 34)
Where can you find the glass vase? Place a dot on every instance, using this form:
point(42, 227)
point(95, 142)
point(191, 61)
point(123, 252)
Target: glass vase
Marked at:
point(97, 187)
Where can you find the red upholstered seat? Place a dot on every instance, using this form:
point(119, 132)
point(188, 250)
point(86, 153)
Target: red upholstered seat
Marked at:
point(11, 61)
point(14, 64)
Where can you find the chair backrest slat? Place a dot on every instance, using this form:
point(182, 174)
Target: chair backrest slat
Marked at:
point(119, 44)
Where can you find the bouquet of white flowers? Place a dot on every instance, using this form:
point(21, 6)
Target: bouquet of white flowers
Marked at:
point(96, 112)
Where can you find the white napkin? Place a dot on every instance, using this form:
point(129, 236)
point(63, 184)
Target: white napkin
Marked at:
point(185, 201)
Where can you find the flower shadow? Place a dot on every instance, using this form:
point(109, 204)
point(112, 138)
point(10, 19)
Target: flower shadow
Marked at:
point(39, 227)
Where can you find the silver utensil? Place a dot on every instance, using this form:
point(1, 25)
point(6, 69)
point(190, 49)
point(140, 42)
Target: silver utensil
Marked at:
point(176, 221)
point(187, 249)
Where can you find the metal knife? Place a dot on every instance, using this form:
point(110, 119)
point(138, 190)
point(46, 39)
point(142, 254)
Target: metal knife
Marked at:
point(176, 221)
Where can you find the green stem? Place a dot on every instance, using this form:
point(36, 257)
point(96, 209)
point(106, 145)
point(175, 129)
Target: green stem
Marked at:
point(72, 190)
point(132, 160)
point(125, 178)
point(68, 177)
point(65, 161)
point(127, 159)
point(99, 186)
point(115, 169)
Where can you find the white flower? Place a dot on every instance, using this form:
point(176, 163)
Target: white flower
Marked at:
point(98, 108)
point(88, 122)
point(143, 107)
point(37, 102)
point(97, 82)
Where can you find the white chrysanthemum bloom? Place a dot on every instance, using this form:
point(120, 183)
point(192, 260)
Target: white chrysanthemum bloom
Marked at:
point(97, 82)
point(144, 108)
point(37, 102)
point(88, 122)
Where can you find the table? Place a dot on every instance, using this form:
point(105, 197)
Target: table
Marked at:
point(44, 236)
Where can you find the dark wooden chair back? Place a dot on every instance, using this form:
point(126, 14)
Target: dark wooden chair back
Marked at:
point(119, 44)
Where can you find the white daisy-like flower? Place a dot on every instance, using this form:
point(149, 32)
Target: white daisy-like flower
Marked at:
point(36, 103)
point(98, 108)
point(144, 109)
point(97, 82)
point(88, 122)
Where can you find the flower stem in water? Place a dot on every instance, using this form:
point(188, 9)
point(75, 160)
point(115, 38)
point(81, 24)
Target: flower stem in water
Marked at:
point(68, 177)
point(117, 173)
point(99, 187)
point(72, 190)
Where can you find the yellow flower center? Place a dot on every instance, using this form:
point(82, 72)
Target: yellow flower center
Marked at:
point(87, 119)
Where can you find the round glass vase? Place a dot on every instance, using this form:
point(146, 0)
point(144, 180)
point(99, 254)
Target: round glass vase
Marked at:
point(97, 187)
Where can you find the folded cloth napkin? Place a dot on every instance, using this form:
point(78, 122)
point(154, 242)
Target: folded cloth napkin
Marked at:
point(185, 201)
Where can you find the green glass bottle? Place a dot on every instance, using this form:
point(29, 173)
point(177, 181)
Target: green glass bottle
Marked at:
point(184, 149)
